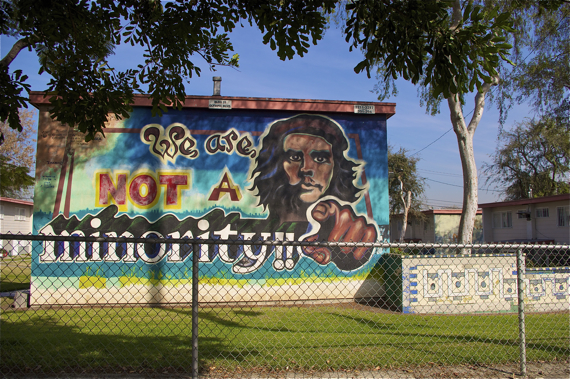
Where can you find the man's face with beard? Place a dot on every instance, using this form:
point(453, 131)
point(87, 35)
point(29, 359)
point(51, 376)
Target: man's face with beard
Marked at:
point(309, 165)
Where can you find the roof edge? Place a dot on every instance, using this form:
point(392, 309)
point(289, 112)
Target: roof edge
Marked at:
point(535, 200)
point(16, 201)
point(38, 98)
point(442, 212)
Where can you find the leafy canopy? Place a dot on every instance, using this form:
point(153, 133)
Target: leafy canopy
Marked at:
point(73, 40)
point(402, 166)
point(534, 156)
point(417, 41)
point(541, 41)
point(18, 157)
point(20, 146)
point(13, 178)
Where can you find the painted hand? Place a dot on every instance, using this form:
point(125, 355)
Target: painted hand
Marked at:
point(340, 224)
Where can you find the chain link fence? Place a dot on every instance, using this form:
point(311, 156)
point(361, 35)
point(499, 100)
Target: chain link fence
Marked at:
point(77, 305)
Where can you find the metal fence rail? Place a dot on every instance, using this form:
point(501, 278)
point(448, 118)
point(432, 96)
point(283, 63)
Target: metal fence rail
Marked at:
point(235, 308)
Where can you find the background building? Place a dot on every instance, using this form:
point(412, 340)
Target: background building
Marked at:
point(16, 218)
point(435, 225)
point(541, 219)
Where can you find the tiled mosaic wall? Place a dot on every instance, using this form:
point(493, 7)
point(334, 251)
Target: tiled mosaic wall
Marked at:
point(471, 284)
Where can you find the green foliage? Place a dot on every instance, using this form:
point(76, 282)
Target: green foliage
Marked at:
point(74, 39)
point(13, 178)
point(541, 51)
point(417, 40)
point(402, 166)
point(535, 156)
point(11, 98)
point(18, 153)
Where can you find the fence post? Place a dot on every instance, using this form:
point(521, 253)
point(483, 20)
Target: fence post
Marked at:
point(195, 275)
point(522, 331)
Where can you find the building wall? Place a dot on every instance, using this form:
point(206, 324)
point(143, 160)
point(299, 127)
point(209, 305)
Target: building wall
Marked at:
point(447, 228)
point(416, 230)
point(13, 221)
point(10, 222)
point(435, 228)
point(210, 174)
point(537, 228)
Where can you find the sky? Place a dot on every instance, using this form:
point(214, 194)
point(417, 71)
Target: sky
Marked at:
point(326, 72)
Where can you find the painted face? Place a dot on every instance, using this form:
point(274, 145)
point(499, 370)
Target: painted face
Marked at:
point(308, 163)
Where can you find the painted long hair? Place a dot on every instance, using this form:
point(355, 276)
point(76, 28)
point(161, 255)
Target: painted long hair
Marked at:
point(271, 181)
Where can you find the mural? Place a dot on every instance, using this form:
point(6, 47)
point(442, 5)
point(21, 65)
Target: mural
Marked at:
point(202, 174)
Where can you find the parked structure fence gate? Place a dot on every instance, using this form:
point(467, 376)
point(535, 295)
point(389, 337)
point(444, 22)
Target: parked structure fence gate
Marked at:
point(420, 305)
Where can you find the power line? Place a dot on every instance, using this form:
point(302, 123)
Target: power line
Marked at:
point(444, 201)
point(440, 137)
point(437, 181)
point(441, 173)
point(455, 185)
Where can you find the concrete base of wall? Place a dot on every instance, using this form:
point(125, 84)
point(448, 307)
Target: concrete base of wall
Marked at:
point(105, 293)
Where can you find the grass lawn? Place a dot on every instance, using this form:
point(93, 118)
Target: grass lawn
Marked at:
point(269, 339)
point(15, 273)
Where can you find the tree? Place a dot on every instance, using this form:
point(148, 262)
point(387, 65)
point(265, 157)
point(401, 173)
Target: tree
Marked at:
point(449, 48)
point(13, 179)
point(19, 147)
point(405, 187)
point(17, 154)
point(73, 40)
point(534, 158)
point(541, 52)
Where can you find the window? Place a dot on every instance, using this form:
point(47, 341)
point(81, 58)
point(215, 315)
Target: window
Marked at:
point(426, 225)
point(563, 216)
point(1, 212)
point(502, 220)
point(542, 212)
point(20, 214)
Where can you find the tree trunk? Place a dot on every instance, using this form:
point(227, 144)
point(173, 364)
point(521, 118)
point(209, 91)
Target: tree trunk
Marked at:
point(465, 135)
point(407, 205)
point(470, 186)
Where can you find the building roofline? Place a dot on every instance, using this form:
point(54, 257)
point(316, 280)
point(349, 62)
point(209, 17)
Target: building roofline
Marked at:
point(38, 98)
point(16, 201)
point(443, 212)
point(545, 199)
point(448, 211)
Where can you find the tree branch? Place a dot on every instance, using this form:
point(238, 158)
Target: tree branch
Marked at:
point(480, 104)
point(13, 53)
point(456, 115)
point(456, 17)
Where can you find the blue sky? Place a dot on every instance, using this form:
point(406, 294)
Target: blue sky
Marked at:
point(326, 72)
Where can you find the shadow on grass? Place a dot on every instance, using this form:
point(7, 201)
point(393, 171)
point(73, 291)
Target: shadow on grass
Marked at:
point(152, 340)
point(465, 338)
point(11, 286)
point(213, 317)
point(42, 345)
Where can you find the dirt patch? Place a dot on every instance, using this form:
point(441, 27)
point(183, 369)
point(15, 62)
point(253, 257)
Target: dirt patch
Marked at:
point(535, 370)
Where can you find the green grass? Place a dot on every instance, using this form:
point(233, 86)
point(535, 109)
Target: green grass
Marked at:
point(15, 273)
point(269, 339)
